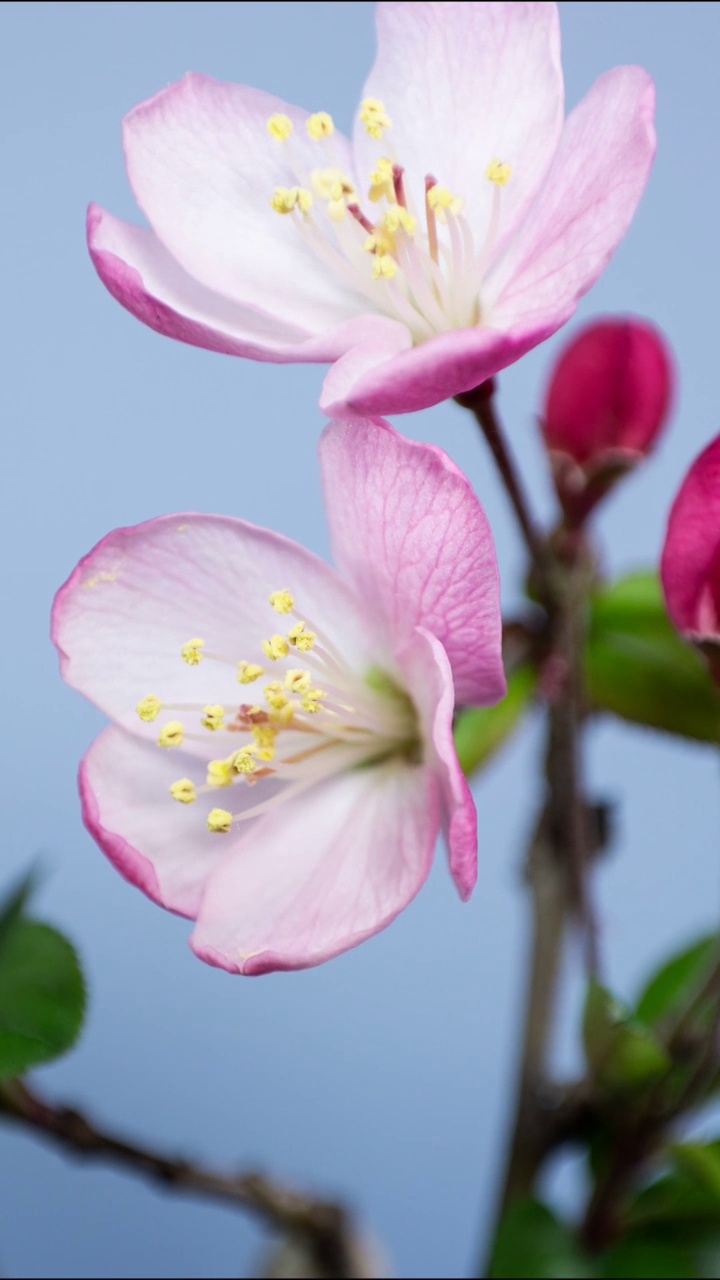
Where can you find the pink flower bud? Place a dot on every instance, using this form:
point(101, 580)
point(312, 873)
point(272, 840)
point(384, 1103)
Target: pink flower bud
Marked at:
point(608, 400)
point(690, 568)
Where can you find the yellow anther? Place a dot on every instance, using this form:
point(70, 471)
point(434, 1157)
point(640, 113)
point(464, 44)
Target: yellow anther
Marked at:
point(220, 773)
point(320, 125)
point(380, 243)
point(172, 734)
point(184, 791)
point(265, 737)
point(280, 127)
point(282, 716)
point(312, 700)
point(276, 696)
point(441, 200)
point(382, 186)
point(398, 219)
point(275, 648)
point(298, 681)
point(149, 709)
point(327, 182)
point(384, 267)
point(286, 199)
point(219, 820)
point(244, 761)
point(498, 173)
point(192, 652)
point(282, 601)
point(249, 672)
point(213, 718)
point(300, 638)
point(374, 116)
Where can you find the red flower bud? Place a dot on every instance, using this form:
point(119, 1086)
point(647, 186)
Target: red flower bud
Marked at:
point(690, 568)
point(608, 400)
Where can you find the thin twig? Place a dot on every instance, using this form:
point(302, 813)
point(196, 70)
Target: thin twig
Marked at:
point(481, 404)
point(324, 1226)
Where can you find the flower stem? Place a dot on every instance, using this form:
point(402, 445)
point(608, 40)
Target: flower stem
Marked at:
point(480, 402)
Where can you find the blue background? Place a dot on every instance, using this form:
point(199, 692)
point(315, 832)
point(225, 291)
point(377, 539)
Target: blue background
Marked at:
point(384, 1076)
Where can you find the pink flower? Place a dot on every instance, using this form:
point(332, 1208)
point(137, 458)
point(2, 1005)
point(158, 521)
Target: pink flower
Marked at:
point(607, 403)
point(690, 566)
point(456, 232)
point(296, 815)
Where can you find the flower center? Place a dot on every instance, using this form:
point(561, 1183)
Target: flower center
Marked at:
point(419, 265)
point(314, 720)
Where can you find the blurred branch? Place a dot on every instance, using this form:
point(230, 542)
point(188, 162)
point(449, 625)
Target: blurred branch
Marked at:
point(324, 1227)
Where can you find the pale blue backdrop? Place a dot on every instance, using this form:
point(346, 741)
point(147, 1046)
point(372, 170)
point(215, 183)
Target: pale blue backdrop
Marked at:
point(384, 1075)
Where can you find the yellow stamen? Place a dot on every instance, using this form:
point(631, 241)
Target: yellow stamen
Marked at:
point(220, 773)
point(440, 200)
point(498, 173)
point(281, 717)
point(249, 672)
point(300, 638)
point(325, 183)
point(219, 820)
point(312, 700)
point(374, 116)
point(244, 760)
point(382, 186)
point(320, 125)
point(184, 791)
point(214, 718)
point(282, 601)
point(275, 648)
point(276, 695)
point(149, 709)
point(398, 219)
point(298, 681)
point(384, 267)
point(286, 199)
point(265, 741)
point(280, 127)
point(380, 243)
point(172, 734)
point(192, 652)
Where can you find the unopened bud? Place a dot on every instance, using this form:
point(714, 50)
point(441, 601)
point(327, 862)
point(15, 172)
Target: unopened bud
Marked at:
point(607, 403)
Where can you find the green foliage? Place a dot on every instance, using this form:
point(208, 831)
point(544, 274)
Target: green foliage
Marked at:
point(677, 983)
point(640, 669)
point(623, 1054)
point(42, 992)
point(653, 1255)
point(481, 731)
point(532, 1243)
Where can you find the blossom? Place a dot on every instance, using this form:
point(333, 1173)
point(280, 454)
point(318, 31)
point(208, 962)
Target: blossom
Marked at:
point(282, 757)
point(455, 232)
point(608, 400)
point(690, 567)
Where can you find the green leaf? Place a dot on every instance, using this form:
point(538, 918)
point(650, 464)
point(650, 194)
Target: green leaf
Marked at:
point(42, 997)
point(481, 731)
point(12, 907)
point(649, 1256)
point(675, 1198)
point(672, 989)
point(640, 669)
point(700, 1161)
point(623, 1054)
point(532, 1243)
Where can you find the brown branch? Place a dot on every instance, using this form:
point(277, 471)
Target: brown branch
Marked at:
point(324, 1226)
